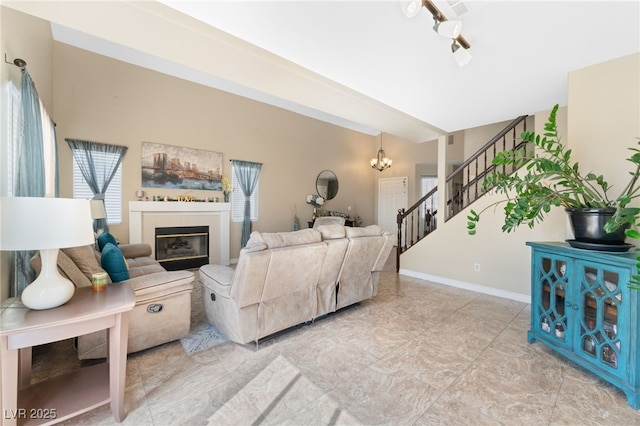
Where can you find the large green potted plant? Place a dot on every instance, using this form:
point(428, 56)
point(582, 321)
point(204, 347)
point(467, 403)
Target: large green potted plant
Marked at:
point(550, 179)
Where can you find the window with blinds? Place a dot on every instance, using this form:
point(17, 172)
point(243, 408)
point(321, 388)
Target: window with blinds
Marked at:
point(113, 196)
point(237, 200)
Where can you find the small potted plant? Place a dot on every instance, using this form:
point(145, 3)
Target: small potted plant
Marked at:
point(316, 201)
point(550, 179)
point(226, 187)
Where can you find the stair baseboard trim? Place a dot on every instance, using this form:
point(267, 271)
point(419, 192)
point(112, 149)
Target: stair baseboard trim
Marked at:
point(518, 297)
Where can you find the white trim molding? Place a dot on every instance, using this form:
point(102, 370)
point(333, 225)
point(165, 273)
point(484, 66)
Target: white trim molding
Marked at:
point(518, 297)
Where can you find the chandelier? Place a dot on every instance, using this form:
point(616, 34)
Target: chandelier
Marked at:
point(381, 162)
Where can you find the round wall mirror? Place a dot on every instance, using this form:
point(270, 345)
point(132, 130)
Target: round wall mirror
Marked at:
point(327, 184)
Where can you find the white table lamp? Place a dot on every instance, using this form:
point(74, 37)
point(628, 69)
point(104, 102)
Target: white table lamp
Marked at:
point(45, 224)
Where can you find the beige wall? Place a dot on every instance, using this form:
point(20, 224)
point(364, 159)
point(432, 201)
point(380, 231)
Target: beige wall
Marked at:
point(448, 255)
point(604, 117)
point(104, 100)
point(600, 123)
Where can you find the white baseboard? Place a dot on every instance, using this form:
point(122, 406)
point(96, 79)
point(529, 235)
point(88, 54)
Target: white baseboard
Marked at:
point(525, 298)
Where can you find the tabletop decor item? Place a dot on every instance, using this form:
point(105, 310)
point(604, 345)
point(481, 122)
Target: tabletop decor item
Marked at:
point(226, 187)
point(316, 201)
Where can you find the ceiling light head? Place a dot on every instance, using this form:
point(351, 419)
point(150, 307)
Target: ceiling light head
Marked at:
point(410, 8)
point(449, 29)
point(460, 54)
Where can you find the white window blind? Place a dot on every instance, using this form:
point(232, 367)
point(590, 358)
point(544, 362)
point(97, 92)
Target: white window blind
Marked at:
point(113, 196)
point(237, 200)
point(11, 124)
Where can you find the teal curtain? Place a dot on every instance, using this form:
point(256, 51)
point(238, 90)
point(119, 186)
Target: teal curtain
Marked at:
point(247, 174)
point(97, 174)
point(30, 179)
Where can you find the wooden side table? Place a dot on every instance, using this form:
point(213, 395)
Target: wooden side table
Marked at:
point(60, 398)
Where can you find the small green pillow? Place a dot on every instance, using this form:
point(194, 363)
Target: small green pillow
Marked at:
point(114, 263)
point(105, 238)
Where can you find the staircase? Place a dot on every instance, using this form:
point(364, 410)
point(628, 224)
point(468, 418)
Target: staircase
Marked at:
point(463, 187)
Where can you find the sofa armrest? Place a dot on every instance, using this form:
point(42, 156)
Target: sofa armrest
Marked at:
point(159, 284)
point(217, 278)
point(132, 251)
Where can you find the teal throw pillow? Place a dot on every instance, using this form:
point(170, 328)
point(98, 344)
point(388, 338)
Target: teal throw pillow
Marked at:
point(114, 263)
point(105, 238)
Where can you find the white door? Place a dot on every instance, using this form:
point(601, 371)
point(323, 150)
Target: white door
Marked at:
point(392, 196)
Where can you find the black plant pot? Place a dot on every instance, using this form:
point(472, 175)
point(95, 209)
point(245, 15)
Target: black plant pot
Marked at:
point(588, 226)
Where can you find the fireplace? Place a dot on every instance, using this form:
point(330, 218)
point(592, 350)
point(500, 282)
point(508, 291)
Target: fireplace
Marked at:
point(182, 247)
point(146, 216)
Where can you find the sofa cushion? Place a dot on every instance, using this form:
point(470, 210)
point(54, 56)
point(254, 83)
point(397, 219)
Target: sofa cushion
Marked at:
point(66, 268)
point(135, 250)
point(114, 263)
point(331, 232)
point(285, 239)
point(367, 231)
point(105, 238)
point(84, 259)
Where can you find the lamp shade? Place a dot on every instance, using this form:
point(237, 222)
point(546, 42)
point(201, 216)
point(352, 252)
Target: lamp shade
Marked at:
point(34, 223)
point(45, 224)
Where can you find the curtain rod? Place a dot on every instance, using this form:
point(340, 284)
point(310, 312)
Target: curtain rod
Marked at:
point(245, 161)
point(20, 63)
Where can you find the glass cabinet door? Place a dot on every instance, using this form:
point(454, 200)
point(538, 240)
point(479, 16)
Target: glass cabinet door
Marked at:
point(551, 310)
point(602, 288)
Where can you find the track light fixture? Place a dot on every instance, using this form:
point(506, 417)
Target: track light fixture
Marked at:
point(443, 26)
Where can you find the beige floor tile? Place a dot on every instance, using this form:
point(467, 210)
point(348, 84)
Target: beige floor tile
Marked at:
point(419, 353)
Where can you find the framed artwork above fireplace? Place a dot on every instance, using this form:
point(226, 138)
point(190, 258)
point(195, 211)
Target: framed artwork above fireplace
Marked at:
point(176, 167)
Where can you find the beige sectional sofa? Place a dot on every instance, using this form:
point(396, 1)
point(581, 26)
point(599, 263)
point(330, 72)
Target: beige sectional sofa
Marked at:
point(163, 298)
point(288, 278)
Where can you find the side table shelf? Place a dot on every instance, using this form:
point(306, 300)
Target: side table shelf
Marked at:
point(62, 397)
point(89, 390)
point(583, 309)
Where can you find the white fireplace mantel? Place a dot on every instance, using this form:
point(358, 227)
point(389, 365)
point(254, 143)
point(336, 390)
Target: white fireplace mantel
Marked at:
point(145, 216)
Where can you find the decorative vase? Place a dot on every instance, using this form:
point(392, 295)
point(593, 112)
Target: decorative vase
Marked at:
point(226, 197)
point(588, 226)
point(315, 214)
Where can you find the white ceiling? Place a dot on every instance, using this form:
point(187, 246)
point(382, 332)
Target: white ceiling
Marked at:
point(376, 69)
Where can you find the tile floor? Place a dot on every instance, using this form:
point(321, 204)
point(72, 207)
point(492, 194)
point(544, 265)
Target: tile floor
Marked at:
point(419, 353)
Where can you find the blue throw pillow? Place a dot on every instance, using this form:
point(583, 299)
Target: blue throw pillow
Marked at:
point(114, 263)
point(105, 238)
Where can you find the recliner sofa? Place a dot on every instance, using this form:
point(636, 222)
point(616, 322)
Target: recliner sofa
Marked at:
point(162, 312)
point(288, 278)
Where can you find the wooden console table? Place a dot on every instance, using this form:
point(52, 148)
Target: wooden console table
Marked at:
point(60, 398)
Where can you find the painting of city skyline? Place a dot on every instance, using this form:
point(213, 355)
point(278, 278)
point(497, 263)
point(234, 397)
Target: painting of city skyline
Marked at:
point(176, 167)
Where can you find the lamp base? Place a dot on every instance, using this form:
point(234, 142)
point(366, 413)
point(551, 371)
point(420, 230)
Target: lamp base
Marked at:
point(50, 289)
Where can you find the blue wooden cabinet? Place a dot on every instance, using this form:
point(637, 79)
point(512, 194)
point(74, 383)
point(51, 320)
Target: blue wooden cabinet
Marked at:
point(582, 308)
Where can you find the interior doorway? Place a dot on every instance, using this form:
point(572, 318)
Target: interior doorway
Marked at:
point(393, 194)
